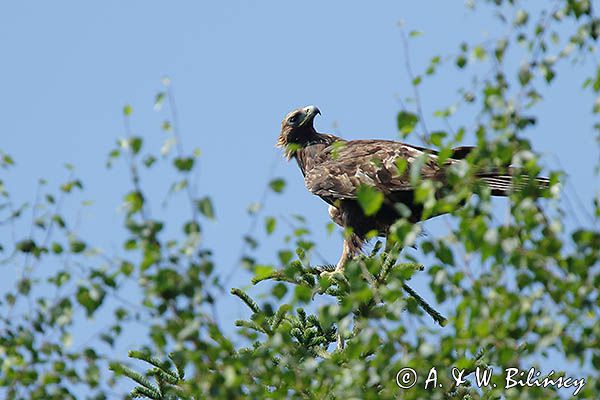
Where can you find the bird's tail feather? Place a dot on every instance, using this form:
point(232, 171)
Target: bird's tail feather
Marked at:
point(503, 185)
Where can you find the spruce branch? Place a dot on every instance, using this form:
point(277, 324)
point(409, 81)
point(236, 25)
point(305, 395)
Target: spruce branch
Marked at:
point(389, 258)
point(318, 269)
point(301, 317)
point(166, 379)
point(175, 393)
point(241, 323)
point(133, 375)
point(278, 275)
point(141, 391)
point(164, 375)
point(376, 248)
point(246, 299)
point(147, 357)
point(279, 316)
point(437, 317)
point(179, 366)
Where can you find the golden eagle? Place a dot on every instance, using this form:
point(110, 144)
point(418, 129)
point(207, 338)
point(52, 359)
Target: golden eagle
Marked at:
point(335, 170)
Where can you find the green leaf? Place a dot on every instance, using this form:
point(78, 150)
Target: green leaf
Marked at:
point(270, 224)
point(24, 286)
point(90, 299)
point(524, 74)
point(500, 49)
point(205, 207)
point(26, 246)
point(444, 254)
point(277, 185)
point(330, 227)
point(262, 271)
point(159, 100)
point(77, 246)
point(126, 268)
point(113, 155)
point(135, 144)
point(547, 71)
point(130, 244)
point(279, 290)
point(134, 202)
point(149, 161)
point(302, 294)
point(521, 18)
point(479, 53)
point(436, 138)
point(184, 164)
point(370, 199)
point(285, 256)
point(57, 248)
point(401, 165)
point(7, 160)
point(191, 227)
point(68, 186)
point(406, 122)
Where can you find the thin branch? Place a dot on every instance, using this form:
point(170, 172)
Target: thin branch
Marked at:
point(423, 137)
point(437, 317)
point(135, 176)
point(251, 227)
point(179, 145)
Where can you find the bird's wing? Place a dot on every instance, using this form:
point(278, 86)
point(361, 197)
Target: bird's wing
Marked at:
point(342, 167)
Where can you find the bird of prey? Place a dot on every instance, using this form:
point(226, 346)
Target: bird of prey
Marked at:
point(335, 169)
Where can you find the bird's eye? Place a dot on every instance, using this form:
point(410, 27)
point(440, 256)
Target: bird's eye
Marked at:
point(293, 119)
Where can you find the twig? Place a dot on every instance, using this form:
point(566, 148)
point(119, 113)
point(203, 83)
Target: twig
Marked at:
point(423, 137)
point(251, 228)
point(179, 145)
point(135, 176)
point(437, 317)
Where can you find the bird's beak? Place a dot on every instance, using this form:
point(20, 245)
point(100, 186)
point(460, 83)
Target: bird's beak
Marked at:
point(310, 113)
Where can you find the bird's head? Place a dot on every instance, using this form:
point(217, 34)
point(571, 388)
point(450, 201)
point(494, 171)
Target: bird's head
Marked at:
point(297, 129)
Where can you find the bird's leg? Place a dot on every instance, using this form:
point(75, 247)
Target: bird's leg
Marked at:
point(347, 253)
point(349, 250)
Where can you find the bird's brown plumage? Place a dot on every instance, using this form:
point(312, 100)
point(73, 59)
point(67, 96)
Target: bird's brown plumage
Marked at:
point(334, 169)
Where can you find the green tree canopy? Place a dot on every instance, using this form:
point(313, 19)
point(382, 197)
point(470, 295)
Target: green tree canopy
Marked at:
point(510, 294)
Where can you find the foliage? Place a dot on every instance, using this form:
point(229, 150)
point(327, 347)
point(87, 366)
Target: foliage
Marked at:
point(316, 333)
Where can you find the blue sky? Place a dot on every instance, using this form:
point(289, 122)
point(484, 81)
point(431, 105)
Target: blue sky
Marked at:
point(237, 68)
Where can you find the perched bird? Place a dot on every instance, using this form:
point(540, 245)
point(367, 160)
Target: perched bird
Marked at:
point(335, 169)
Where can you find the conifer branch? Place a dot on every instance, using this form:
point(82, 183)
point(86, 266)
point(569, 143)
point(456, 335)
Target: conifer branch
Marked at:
point(437, 317)
point(246, 299)
point(241, 323)
point(141, 391)
point(147, 357)
point(133, 375)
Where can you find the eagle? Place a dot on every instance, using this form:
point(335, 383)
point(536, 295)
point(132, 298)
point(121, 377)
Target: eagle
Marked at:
point(335, 169)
